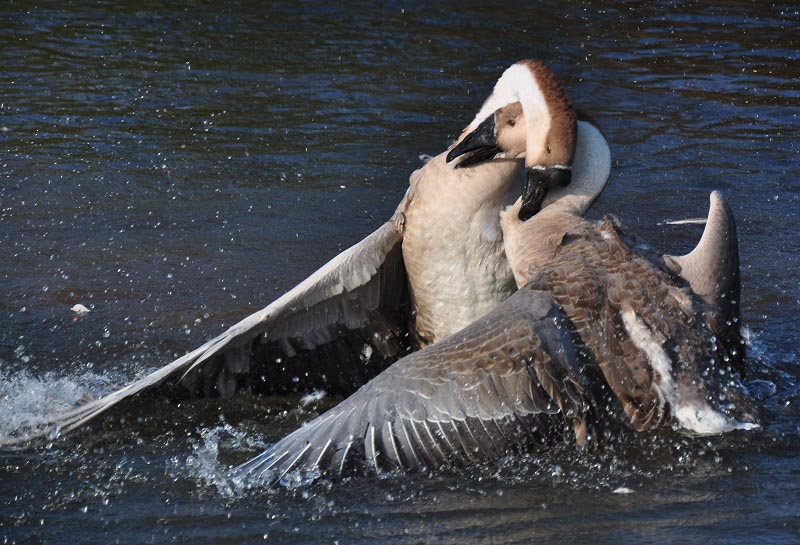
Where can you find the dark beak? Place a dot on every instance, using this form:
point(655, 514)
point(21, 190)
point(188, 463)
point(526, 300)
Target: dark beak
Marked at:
point(538, 181)
point(481, 144)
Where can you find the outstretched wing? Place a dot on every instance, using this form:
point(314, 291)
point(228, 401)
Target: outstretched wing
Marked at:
point(712, 271)
point(336, 329)
point(509, 379)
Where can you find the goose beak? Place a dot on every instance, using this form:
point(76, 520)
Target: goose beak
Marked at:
point(481, 144)
point(538, 181)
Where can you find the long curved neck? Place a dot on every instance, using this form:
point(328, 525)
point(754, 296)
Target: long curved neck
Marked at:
point(591, 168)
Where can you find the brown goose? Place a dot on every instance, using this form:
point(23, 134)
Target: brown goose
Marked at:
point(596, 336)
point(436, 266)
point(666, 336)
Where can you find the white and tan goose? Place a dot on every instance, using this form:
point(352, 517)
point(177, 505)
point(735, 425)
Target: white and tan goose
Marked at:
point(597, 337)
point(436, 266)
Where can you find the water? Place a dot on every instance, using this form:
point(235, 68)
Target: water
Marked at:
point(175, 167)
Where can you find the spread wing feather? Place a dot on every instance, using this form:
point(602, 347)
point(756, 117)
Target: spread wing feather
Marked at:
point(493, 387)
point(361, 291)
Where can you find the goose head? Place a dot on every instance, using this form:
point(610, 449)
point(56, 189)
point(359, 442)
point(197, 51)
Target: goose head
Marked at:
point(528, 115)
point(502, 134)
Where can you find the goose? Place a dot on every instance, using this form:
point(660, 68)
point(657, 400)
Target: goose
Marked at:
point(597, 338)
point(665, 333)
point(434, 267)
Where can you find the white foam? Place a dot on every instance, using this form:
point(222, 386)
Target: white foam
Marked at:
point(313, 397)
point(203, 466)
point(28, 399)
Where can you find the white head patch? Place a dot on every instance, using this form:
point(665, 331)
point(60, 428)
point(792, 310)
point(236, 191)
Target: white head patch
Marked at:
point(518, 84)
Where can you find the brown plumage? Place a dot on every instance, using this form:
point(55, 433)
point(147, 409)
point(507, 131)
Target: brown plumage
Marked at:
point(668, 353)
point(562, 136)
point(605, 288)
point(597, 336)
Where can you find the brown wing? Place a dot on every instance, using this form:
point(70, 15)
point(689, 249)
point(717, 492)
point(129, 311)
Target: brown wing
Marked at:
point(509, 379)
point(619, 303)
point(582, 272)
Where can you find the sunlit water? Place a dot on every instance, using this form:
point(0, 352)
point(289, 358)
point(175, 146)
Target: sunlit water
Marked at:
point(174, 168)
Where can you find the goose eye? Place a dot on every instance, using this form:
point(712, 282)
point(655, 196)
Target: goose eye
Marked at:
point(547, 148)
point(512, 122)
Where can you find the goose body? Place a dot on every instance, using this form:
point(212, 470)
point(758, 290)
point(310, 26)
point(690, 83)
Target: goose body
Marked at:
point(597, 337)
point(453, 246)
point(644, 327)
point(665, 335)
point(434, 267)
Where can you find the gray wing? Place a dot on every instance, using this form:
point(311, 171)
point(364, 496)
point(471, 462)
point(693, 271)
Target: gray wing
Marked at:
point(511, 378)
point(319, 330)
point(712, 271)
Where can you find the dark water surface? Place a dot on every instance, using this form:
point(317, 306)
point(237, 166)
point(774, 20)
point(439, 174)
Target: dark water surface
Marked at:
point(175, 167)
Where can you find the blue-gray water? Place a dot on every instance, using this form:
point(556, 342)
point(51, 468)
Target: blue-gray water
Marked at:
point(175, 166)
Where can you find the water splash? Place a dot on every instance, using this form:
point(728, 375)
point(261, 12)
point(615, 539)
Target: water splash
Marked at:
point(28, 400)
point(203, 465)
point(313, 397)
